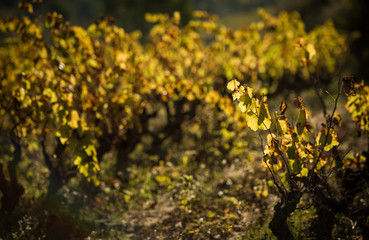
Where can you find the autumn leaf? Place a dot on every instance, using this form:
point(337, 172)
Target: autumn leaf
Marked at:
point(252, 120)
point(310, 49)
point(327, 139)
point(298, 102)
point(233, 85)
point(282, 108)
point(264, 120)
point(74, 119)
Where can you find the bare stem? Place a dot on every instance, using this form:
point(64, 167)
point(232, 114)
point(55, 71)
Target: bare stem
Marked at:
point(329, 127)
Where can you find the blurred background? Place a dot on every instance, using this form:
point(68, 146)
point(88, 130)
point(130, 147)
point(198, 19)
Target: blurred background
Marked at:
point(349, 16)
point(182, 137)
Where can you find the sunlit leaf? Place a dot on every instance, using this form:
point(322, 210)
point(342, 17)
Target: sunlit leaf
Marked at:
point(301, 122)
point(233, 85)
point(74, 119)
point(328, 140)
point(90, 150)
point(247, 102)
point(282, 108)
point(304, 172)
point(63, 140)
point(78, 160)
point(92, 62)
point(281, 124)
point(211, 214)
point(310, 50)
point(51, 95)
point(27, 6)
point(264, 120)
point(252, 120)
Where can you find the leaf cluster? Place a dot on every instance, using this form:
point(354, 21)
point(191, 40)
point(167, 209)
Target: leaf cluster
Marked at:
point(292, 152)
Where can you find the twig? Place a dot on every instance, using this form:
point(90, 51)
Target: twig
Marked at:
point(316, 81)
point(280, 190)
point(329, 127)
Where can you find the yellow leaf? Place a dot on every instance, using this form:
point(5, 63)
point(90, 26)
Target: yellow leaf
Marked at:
point(50, 94)
point(83, 169)
point(185, 160)
point(304, 172)
point(329, 141)
point(63, 140)
point(264, 193)
point(184, 202)
point(281, 124)
point(286, 139)
point(211, 214)
point(311, 50)
point(62, 137)
point(270, 138)
point(92, 62)
point(247, 102)
point(127, 197)
point(233, 85)
point(252, 121)
point(74, 119)
point(63, 43)
point(78, 161)
point(90, 150)
point(27, 6)
point(236, 95)
point(177, 17)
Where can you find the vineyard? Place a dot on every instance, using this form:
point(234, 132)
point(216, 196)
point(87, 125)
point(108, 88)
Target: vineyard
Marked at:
point(198, 132)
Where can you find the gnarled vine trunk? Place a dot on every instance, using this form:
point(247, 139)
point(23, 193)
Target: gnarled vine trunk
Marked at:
point(11, 189)
point(283, 210)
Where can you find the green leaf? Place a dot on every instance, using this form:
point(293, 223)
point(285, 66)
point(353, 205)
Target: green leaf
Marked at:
point(301, 122)
point(264, 120)
point(293, 165)
point(293, 157)
point(302, 126)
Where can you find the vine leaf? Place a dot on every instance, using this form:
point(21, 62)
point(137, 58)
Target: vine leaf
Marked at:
point(349, 86)
point(282, 108)
point(74, 119)
point(252, 120)
point(281, 124)
point(330, 141)
point(233, 85)
point(293, 156)
point(299, 103)
point(310, 49)
point(264, 120)
point(247, 102)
